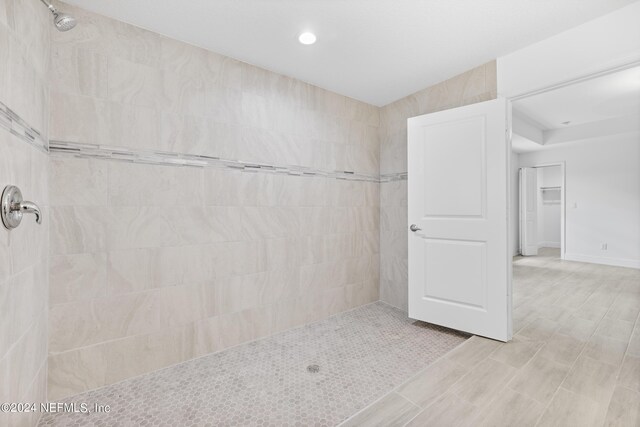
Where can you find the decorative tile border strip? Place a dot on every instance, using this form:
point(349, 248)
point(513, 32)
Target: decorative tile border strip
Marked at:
point(20, 128)
point(390, 177)
point(93, 151)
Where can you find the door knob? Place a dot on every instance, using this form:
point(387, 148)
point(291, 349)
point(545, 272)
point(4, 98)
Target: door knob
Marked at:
point(13, 207)
point(414, 228)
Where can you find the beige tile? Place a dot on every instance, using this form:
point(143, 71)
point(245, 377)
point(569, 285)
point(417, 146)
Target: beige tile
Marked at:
point(78, 324)
point(207, 336)
point(592, 379)
point(516, 353)
point(614, 328)
point(578, 328)
point(79, 71)
point(570, 409)
point(391, 410)
point(605, 349)
point(624, 308)
point(634, 343)
point(136, 270)
point(473, 351)
point(78, 182)
point(77, 229)
point(82, 119)
point(479, 386)
point(624, 409)
point(134, 83)
point(435, 380)
point(538, 330)
point(150, 185)
point(562, 348)
point(629, 376)
point(132, 356)
point(77, 277)
point(540, 378)
point(139, 227)
point(76, 371)
point(448, 410)
point(510, 408)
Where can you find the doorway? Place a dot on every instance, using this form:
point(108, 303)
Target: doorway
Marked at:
point(589, 131)
point(541, 211)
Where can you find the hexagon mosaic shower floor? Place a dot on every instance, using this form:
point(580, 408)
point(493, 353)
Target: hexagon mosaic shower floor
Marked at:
point(362, 354)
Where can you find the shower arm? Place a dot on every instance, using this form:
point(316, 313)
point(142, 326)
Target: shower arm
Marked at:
point(49, 6)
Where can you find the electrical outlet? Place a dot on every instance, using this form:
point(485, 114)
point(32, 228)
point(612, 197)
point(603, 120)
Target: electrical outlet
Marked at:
point(604, 247)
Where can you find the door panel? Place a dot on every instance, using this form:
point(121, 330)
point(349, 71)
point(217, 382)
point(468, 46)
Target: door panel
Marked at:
point(458, 201)
point(442, 272)
point(454, 143)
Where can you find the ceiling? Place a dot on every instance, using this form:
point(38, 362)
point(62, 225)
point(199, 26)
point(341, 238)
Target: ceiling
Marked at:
point(597, 107)
point(602, 98)
point(376, 51)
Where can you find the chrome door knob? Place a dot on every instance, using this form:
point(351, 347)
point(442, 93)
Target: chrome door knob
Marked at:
point(414, 228)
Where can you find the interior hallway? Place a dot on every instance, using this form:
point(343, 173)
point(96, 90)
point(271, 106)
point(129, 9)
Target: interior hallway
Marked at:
point(574, 359)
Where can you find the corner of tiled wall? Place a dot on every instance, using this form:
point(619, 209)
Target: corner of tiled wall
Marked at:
point(476, 85)
point(153, 264)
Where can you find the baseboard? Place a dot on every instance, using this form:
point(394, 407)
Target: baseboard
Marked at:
point(618, 262)
point(549, 245)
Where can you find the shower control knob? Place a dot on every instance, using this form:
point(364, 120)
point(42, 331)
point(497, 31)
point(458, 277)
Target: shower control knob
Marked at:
point(414, 228)
point(13, 208)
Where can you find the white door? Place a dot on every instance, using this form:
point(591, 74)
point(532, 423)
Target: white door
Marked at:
point(459, 260)
point(528, 211)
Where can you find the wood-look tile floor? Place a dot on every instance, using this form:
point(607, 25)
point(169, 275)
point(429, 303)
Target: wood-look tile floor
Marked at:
point(574, 359)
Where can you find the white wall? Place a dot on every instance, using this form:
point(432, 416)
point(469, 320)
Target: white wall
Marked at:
point(515, 204)
point(613, 40)
point(549, 207)
point(602, 197)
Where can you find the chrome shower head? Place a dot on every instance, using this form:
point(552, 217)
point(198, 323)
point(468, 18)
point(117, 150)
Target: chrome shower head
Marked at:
point(62, 21)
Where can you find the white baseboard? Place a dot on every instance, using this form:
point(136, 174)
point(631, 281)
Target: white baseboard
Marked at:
point(618, 262)
point(549, 245)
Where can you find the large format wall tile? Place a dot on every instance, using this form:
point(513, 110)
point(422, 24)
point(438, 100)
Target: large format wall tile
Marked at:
point(24, 74)
point(151, 264)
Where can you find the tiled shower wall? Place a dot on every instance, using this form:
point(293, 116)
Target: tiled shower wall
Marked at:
point(152, 264)
point(476, 85)
point(24, 65)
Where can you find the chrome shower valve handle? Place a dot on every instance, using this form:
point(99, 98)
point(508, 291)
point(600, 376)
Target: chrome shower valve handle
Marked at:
point(13, 207)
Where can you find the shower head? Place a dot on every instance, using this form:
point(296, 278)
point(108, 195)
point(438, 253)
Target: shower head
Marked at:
point(62, 21)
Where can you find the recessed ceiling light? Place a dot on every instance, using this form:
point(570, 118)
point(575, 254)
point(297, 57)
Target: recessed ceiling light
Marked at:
point(307, 38)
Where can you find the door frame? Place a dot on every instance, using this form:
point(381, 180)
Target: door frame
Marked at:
point(563, 181)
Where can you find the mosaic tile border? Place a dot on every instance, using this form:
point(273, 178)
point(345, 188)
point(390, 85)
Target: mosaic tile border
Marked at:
point(82, 150)
point(396, 176)
point(13, 123)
